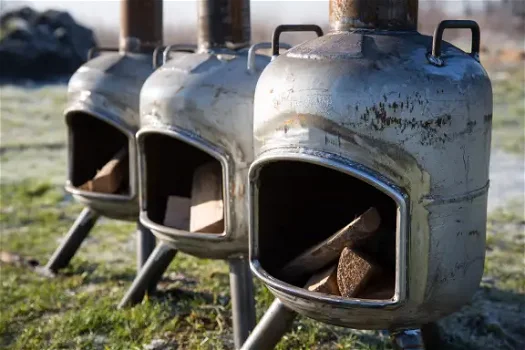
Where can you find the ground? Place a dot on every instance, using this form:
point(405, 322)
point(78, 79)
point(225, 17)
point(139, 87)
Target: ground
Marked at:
point(77, 309)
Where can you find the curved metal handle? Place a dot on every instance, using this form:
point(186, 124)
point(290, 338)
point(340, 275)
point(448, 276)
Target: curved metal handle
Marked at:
point(94, 50)
point(155, 57)
point(292, 28)
point(435, 55)
point(177, 47)
point(166, 51)
point(254, 48)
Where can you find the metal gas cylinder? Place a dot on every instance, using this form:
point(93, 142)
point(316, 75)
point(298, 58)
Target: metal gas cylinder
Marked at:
point(375, 114)
point(198, 108)
point(102, 112)
point(196, 118)
point(102, 117)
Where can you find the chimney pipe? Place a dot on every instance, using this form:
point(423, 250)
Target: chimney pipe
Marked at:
point(223, 23)
point(140, 25)
point(373, 14)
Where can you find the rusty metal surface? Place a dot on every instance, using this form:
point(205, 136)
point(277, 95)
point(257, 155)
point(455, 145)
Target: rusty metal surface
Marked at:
point(373, 14)
point(140, 25)
point(240, 22)
point(223, 23)
point(108, 88)
point(374, 99)
point(206, 100)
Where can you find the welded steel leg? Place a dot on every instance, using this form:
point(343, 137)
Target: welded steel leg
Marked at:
point(432, 337)
point(271, 328)
point(407, 339)
point(145, 244)
point(149, 274)
point(243, 300)
point(76, 235)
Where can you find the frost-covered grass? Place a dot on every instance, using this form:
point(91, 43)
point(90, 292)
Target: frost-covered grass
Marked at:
point(78, 308)
point(32, 133)
point(509, 110)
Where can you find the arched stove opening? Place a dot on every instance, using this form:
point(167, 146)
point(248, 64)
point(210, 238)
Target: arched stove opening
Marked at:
point(300, 205)
point(94, 143)
point(184, 185)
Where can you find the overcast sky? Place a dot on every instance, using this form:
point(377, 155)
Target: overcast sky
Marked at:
point(106, 12)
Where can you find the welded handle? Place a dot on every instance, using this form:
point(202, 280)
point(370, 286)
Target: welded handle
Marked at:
point(253, 50)
point(166, 52)
point(292, 28)
point(156, 53)
point(94, 50)
point(454, 24)
point(177, 47)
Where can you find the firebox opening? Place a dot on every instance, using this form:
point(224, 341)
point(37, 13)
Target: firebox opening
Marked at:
point(184, 185)
point(94, 144)
point(301, 204)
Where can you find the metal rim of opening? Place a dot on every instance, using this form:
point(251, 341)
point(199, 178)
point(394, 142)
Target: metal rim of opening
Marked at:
point(132, 153)
point(358, 171)
point(165, 232)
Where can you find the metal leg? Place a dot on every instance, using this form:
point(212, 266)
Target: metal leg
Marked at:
point(149, 274)
point(76, 235)
point(407, 339)
point(271, 328)
point(432, 337)
point(243, 300)
point(145, 244)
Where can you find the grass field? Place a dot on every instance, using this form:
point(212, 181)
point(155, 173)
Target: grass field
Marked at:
point(77, 309)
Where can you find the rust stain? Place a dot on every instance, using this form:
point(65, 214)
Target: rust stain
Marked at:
point(377, 116)
point(240, 29)
point(403, 159)
point(241, 190)
point(142, 20)
point(393, 14)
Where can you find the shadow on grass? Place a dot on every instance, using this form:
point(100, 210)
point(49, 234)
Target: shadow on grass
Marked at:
point(175, 295)
point(96, 273)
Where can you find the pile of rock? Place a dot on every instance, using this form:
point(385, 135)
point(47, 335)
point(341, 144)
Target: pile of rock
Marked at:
point(41, 45)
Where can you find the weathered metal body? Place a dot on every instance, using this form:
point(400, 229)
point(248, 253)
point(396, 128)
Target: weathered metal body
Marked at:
point(205, 100)
point(108, 88)
point(373, 104)
point(196, 110)
point(102, 117)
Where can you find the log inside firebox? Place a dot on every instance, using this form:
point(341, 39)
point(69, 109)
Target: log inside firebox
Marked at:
point(354, 272)
point(324, 281)
point(328, 251)
point(110, 177)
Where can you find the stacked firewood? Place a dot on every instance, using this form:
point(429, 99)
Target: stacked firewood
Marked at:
point(338, 266)
point(204, 211)
point(110, 178)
